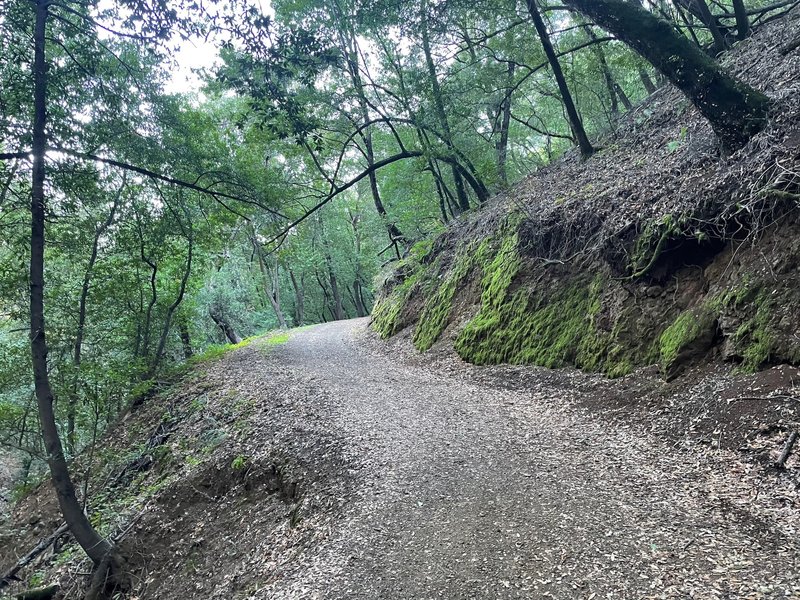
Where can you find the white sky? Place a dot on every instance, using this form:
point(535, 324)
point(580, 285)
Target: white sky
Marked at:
point(193, 55)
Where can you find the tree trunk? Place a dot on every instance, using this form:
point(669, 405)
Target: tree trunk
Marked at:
point(338, 308)
point(77, 349)
point(438, 102)
point(611, 85)
point(162, 341)
point(95, 546)
point(299, 299)
point(271, 289)
point(501, 146)
point(226, 328)
point(623, 97)
point(575, 123)
point(704, 14)
point(742, 20)
point(647, 82)
point(358, 299)
point(736, 111)
point(186, 338)
point(148, 317)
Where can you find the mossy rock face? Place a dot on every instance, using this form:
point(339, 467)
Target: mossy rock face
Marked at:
point(668, 293)
point(689, 337)
point(436, 314)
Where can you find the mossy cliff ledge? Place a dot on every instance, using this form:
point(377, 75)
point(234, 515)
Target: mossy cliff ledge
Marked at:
point(496, 301)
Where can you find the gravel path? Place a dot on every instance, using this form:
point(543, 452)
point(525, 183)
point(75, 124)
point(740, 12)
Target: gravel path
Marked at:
point(468, 490)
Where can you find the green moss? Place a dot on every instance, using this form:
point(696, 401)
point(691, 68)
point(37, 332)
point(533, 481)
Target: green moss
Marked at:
point(755, 335)
point(386, 315)
point(690, 327)
point(436, 314)
point(517, 330)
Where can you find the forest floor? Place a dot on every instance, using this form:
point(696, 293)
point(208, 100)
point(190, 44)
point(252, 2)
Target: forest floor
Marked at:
point(346, 467)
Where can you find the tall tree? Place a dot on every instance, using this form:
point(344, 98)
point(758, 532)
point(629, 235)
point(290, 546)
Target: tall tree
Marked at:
point(735, 110)
point(575, 122)
point(95, 545)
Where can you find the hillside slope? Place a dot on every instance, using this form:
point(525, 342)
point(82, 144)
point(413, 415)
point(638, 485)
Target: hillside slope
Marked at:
point(657, 250)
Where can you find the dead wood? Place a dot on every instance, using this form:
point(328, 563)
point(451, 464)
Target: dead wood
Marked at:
point(44, 593)
point(11, 574)
point(787, 450)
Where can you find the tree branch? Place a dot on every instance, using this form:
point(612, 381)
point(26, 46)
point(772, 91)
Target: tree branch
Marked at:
point(171, 180)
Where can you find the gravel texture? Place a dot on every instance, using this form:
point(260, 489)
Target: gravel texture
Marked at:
point(469, 489)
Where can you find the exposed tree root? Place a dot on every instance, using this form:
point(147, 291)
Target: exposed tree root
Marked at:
point(110, 576)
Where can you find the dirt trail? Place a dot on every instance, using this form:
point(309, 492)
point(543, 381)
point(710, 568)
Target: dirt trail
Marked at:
point(469, 490)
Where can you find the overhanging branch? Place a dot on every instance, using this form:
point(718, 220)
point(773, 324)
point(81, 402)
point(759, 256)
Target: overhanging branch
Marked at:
point(14, 155)
point(217, 195)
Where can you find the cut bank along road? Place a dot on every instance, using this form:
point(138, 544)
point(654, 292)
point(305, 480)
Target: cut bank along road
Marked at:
point(474, 491)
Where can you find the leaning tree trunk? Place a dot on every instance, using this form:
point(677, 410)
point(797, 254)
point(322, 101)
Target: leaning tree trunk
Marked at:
point(575, 123)
point(77, 348)
point(95, 546)
point(224, 326)
point(736, 111)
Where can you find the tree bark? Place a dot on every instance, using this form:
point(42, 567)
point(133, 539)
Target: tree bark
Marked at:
point(736, 111)
point(299, 299)
point(575, 123)
point(226, 328)
point(95, 546)
point(742, 20)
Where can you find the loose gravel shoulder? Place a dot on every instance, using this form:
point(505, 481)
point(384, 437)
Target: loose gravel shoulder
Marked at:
point(469, 488)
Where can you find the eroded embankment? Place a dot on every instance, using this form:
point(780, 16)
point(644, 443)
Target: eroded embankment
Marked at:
point(656, 250)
